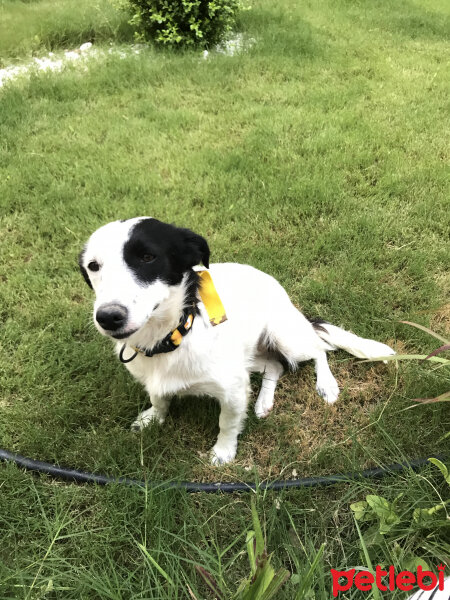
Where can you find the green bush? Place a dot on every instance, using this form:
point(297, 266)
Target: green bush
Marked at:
point(184, 22)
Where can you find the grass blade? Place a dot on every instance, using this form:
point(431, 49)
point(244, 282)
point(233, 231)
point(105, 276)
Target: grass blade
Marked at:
point(429, 331)
point(375, 591)
point(250, 543)
point(258, 531)
point(150, 558)
point(278, 580)
point(443, 468)
point(445, 397)
point(438, 351)
point(210, 581)
point(306, 581)
point(407, 357)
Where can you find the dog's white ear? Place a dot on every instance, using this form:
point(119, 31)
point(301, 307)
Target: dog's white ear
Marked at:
point(82, 269)
point(196, 249)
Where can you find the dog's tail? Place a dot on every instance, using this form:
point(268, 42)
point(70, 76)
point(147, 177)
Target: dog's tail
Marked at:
point(360, 347)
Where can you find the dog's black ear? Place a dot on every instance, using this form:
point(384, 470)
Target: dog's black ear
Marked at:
point(82, 269)
point(196, 249)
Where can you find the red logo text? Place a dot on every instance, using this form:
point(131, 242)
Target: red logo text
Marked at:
point(387, 580)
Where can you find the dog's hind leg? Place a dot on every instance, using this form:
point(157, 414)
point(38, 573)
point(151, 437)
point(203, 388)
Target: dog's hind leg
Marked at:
point(326, 384)
point(295, 338)
point(272, 371)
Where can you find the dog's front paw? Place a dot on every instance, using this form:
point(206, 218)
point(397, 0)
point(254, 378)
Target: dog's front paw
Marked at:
point(221, 455)
point(264, 404)
point(146, 417)
point(329, 392)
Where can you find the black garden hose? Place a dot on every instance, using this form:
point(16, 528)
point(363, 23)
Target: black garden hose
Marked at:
point(190, 486)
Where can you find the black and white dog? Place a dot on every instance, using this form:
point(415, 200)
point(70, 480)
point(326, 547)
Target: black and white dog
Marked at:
point(147, 282)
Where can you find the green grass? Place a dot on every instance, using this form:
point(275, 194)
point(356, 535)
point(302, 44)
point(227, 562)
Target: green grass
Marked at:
point(319, 156)
point(29, 27)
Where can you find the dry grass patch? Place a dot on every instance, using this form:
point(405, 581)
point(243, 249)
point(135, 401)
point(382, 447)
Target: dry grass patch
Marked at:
point(440, 320)
point(289, 441)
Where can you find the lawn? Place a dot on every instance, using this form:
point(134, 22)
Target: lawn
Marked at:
point(319, 155)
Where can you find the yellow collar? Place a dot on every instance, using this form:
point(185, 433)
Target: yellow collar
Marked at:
point(216, 313)
point(211, 299)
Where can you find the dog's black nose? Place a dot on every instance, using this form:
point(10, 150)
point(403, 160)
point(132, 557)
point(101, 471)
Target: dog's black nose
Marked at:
point(112, 316)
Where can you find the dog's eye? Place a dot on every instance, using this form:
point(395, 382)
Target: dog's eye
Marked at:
point(147, 258)
point(93, 266)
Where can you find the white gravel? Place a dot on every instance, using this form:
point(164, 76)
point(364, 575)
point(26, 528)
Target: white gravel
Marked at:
point(87, 52)
point(57, 61)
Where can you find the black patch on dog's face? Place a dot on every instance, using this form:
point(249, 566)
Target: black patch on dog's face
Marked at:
point(156, 250)
point(82, 269)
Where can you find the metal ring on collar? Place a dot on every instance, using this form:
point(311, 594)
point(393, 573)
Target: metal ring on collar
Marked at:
point(126, 360)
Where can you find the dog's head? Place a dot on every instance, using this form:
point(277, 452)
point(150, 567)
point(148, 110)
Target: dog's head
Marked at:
point(134, 266)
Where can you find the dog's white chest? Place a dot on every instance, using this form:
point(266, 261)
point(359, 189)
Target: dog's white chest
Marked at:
point(168, 374)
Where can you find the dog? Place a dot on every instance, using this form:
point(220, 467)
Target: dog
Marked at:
point(183, 329)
